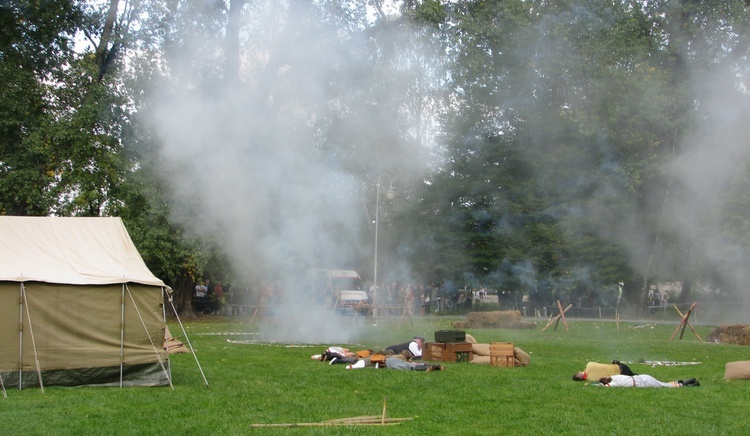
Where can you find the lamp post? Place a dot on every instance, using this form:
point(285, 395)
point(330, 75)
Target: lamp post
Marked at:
point(389, 193)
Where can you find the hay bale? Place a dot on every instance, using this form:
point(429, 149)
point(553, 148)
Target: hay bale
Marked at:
point(494, 319)
point(461, 325)
point(737, 370)
point(738, 334)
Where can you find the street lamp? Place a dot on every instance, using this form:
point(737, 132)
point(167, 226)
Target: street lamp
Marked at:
point(389, 193)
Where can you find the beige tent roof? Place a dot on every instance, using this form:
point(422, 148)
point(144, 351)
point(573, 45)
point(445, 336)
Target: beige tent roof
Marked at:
point(77, 251)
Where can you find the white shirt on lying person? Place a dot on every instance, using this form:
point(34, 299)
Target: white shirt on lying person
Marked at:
point(637, 381)
point(415, 349)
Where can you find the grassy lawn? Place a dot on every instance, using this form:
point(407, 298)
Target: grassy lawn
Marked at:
point(251, 383)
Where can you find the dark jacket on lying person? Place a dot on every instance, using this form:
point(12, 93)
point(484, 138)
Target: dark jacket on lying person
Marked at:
point(414, 347)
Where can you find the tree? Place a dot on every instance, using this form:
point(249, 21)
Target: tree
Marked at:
point(36, 41)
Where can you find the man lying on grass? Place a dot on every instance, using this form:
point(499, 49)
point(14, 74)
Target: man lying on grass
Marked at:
point(402, 360)
point(596, 371)
point(643, 381)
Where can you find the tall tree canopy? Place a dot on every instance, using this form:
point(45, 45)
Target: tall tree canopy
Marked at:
point(539, 147)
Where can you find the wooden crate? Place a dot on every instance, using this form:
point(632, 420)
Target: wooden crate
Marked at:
point(447, 351)
point(501, 354)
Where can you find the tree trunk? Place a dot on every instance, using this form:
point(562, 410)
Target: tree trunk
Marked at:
point(106, 54)
point(232, 55)
point(182, 299)
point(686, 293)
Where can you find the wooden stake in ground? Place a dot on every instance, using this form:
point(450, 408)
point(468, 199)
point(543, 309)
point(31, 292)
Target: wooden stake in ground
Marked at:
point(684, 322)
point(405, 312)
point(558, 316)
point(253, 317)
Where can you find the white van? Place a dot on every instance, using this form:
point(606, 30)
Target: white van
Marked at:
point(335, 287)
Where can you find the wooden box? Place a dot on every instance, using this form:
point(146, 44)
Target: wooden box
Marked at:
point(501, 354)
point(447, 351)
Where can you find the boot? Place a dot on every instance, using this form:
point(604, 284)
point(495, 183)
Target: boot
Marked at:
point(692, 382)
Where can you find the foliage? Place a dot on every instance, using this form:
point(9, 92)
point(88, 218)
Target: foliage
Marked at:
point(591, 100)
point(535, 144)
point(262, 383)
point(35, 43)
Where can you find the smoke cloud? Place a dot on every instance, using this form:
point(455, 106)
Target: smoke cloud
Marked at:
point(272, 167)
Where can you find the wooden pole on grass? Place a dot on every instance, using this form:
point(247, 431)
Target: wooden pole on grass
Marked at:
point(385, 401)
point(684, 322)
point(356, 420)
point(557, 317)
point(562, 315)
point(253, 317)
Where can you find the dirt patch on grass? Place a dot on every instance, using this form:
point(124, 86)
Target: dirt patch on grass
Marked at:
point(731, 334)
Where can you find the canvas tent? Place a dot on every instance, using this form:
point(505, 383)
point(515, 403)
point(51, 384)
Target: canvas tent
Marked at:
point(78, 306)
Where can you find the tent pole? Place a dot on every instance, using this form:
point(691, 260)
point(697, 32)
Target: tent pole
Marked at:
point(20, 337)
point(192, 350)
point(33, 341)
point(165, 294)
point(156, 351)
point(122, 332)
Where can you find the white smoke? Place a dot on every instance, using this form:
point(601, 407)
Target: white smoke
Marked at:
point(264, 168)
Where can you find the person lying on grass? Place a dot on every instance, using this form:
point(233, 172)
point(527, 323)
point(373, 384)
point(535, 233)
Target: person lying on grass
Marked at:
point(596, 371)
point(643, 381)
point(336, 355)
point(402, 361)
point(414, 346)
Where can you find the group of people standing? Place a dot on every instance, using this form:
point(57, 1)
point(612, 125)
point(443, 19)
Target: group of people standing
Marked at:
point(208, 298)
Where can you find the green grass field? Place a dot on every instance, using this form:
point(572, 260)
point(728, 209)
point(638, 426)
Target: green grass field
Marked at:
point(252, 383)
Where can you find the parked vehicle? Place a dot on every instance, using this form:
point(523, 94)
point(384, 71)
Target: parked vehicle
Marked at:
point(336, 288)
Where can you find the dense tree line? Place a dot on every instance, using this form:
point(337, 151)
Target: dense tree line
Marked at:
point(537, 147)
